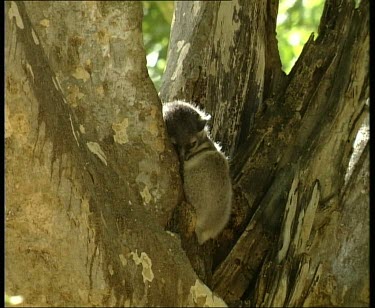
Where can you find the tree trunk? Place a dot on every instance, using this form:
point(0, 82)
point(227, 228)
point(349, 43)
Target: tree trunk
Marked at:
point(92, 184)
point(290, 140)
point(91, 180)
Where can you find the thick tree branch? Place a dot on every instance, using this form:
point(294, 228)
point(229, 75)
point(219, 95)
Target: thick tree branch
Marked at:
point(126, 256)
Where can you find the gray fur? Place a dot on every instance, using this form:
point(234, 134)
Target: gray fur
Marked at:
point(206, 177)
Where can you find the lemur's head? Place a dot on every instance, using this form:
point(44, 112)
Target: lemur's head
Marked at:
point(186, 126)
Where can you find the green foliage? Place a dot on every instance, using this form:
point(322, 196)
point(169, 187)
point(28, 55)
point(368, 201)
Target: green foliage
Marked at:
point(296, 20)
point(156, 27)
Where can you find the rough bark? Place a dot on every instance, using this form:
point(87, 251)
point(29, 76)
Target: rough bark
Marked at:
point(91, 180)
point(290, 140)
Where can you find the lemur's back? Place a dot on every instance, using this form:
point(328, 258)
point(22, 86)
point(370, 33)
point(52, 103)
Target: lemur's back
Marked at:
point(206, 177)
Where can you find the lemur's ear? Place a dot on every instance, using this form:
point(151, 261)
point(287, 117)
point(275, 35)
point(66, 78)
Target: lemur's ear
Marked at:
point(206, 117)
point(203, 119)
point(201, 124)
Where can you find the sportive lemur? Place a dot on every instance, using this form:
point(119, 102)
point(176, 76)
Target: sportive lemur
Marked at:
point(205, 168)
